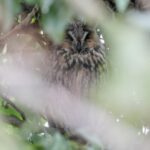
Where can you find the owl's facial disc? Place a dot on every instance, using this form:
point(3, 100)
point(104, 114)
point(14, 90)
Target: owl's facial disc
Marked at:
point(78, 40)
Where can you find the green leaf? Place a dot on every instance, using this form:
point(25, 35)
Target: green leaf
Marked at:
point(122, 5)
point(31, 1)
point(8, 110)
point(45, 5)
point(56, 19)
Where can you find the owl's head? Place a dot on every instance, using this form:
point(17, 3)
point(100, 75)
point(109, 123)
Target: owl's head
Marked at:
point(80, 36)
point(81, 48)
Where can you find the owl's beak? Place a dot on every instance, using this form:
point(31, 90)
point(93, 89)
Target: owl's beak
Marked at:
point(80, 41)
point(78, 46)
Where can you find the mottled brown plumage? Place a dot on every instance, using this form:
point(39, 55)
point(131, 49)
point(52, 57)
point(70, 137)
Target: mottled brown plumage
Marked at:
point(79, 59)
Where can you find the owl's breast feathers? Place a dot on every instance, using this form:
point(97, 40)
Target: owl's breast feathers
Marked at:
point(78, 71)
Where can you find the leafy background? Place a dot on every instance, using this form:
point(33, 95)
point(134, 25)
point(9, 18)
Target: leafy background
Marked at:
point(125, 95)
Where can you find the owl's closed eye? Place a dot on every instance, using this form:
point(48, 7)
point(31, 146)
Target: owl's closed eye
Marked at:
point(79, 36)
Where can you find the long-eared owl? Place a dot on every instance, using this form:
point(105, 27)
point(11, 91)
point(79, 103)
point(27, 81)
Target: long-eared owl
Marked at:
point(80, 59)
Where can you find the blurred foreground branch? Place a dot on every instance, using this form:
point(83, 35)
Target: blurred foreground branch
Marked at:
point(143, 4)
point(84, 119)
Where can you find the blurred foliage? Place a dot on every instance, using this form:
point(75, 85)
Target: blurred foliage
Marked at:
point(54, 15)
point(126, 94)
point(33, 133)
